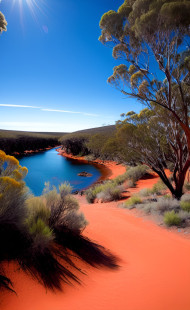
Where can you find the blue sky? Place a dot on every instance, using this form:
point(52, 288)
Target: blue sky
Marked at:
point(53, 68)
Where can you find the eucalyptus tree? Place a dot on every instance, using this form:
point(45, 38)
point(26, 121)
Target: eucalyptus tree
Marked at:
point(3, 23)
point(153, 40)
point(143, 139)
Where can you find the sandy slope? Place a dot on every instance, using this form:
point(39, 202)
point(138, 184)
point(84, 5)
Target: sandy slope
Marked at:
point(154, 272)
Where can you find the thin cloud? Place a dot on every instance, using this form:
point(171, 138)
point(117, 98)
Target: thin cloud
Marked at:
point(60, 111)
point(46, 110)
point(72, 112)
point(19, 106)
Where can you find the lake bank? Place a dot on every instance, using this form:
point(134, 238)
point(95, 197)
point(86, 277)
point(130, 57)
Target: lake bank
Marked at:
point(109, 169)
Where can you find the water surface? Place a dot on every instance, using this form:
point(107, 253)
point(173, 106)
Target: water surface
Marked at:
point(50, 167)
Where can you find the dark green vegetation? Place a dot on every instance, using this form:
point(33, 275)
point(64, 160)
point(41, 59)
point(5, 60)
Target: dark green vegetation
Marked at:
point(19, 141)
point(43, 235)
point(89, 141)
point(153, 40)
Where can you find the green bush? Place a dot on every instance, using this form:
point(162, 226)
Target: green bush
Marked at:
point(91, 193)
point(136, 173)
point(120, 179)
point(171, 218)
point(110, 191)
point(185, 205)
point(158, 188)
point(65, 189)
point(133, 201)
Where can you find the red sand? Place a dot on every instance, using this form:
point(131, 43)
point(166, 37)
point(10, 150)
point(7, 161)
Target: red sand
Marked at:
point(154, 273)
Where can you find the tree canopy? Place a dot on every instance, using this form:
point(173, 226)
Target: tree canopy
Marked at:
point(3, 23)
point(146, 138)
point(153, 40)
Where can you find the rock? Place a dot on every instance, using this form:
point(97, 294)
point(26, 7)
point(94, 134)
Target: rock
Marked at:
point(84, 174)
point(75, 193)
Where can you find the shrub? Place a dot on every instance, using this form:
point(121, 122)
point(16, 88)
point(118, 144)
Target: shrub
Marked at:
point(148, 207)
point(120, 179)
point(167, 204)
point(107, 191)
point(185, 205)
point(172, 219)
point(184, 215)
point(158, 188)
point(136, 173)
point(130, 184)
point(133, 201)
point(43, 234)
point(187, 186)
point(145, 192)
point(110, 192)
point(92, 192)
point(65, 189)
point(90, 195)
point(185, 197)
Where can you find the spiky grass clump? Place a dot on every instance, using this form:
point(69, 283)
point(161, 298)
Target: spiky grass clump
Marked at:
point(171, 218)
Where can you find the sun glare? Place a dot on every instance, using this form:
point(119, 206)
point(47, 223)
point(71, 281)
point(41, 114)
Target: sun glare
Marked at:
point(33, 6)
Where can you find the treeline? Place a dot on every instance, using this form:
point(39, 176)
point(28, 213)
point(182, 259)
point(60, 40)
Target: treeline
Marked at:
point(95, 141)
point(13, 142)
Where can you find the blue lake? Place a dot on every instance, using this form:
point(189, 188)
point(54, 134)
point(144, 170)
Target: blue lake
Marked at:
point(50, 167)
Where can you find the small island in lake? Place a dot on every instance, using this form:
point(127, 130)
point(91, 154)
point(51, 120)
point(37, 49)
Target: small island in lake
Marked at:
point(84, 174)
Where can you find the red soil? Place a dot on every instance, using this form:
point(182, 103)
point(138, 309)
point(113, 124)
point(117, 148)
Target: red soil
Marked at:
point(154, 272)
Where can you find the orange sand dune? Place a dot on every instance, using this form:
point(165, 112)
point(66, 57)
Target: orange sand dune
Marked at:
point(154, 272)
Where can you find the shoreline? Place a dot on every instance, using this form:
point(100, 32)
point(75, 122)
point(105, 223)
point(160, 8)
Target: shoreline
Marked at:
point(109, 169)
point(29, 152)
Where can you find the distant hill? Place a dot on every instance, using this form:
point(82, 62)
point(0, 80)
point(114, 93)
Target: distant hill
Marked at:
point(16, 134)
point(79, 142)
point(105, 130)
point(92, 131)
point(12, 142)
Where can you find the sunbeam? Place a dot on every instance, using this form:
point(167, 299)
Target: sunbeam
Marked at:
point(33, 5)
